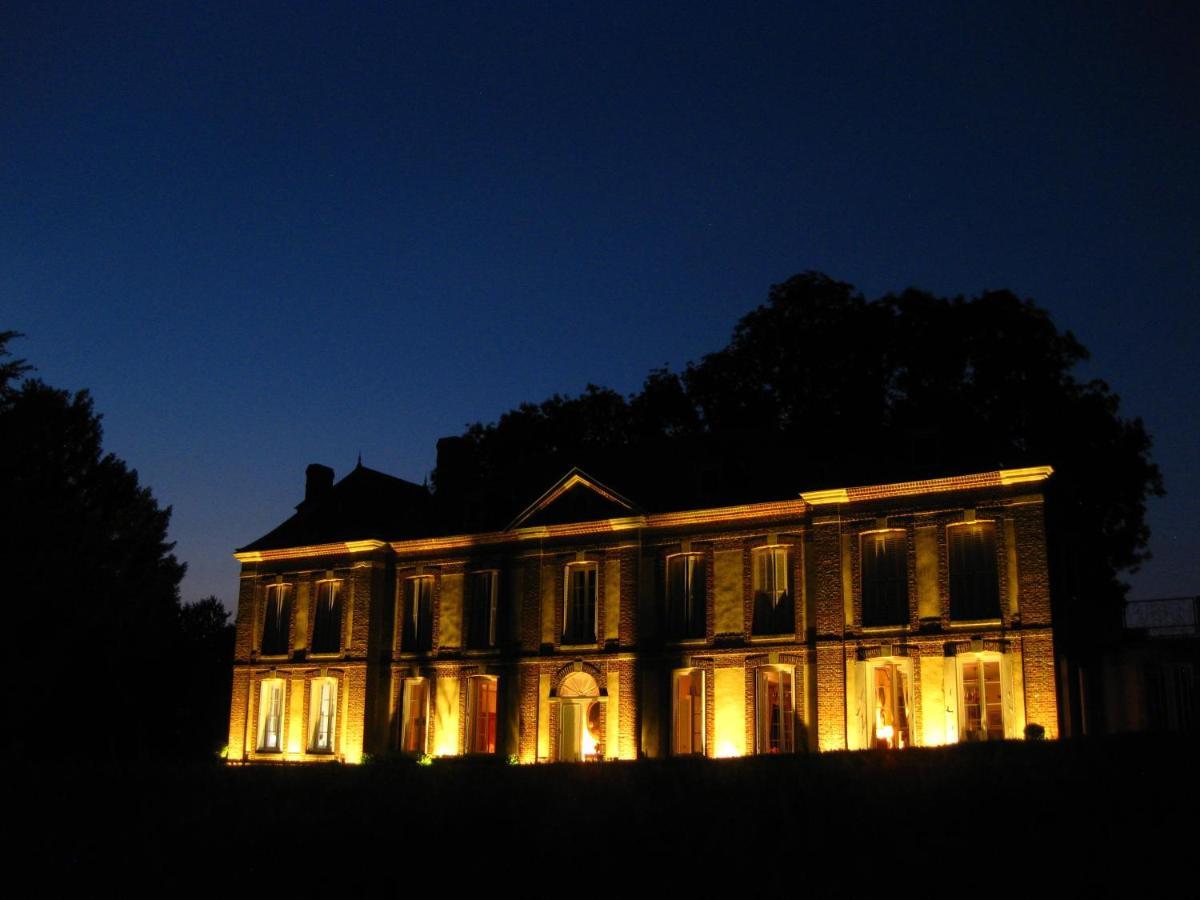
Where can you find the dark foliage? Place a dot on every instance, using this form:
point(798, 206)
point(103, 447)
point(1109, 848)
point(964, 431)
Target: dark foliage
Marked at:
point(1059, 815)
point(92, 590)
point(821, 387)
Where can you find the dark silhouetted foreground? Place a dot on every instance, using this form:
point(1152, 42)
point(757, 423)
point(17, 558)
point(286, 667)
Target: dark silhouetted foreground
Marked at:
point(1028, 816)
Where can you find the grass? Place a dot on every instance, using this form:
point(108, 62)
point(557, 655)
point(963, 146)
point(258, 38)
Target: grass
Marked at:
point(1013, 816)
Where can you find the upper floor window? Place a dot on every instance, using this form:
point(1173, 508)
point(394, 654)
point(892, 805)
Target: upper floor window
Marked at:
point(685, 595)
point(322, 712)
point(688, 713)
point(277, 617)
point(417, 633)
point(772, 592)
point(579, 603)
point(327, 620)
point(974, 581)
point(481, 714)
point(775, 711)
point(481, 610)
point(884, 578)
point(270, 716)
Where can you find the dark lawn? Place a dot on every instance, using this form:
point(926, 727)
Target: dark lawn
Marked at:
point(1013, 816)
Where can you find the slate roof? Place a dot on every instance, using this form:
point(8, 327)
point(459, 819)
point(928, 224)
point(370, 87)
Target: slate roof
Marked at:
point(365, 505)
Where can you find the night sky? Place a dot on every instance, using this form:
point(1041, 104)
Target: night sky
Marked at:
point(272, 236)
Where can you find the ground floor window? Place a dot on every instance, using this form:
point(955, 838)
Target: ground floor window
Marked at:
point(414, 715)
point(270, 716)
point(891, 705)
point(688, 713)
point(481, 714)
point(982, 711)
point(322, 711)
point(775, 711)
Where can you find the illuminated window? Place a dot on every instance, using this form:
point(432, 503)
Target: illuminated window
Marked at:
point(775, 711)
point(891, 705)
point(277, 617)
point(322, 714)
point(772, 592)
point(688, 713)
point(481, 610)
point(974, 582)
point(982, 711)
point(327, 620)
point(884, 578)
point(415, 715)
point(417, 634)
point(270, 715)
point(685, 595)
point(579, 604)
point(481, 714)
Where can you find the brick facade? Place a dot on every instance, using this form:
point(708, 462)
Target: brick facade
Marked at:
point(823, 682)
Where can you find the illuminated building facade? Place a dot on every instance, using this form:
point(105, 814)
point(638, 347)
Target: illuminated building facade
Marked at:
point(883, 616)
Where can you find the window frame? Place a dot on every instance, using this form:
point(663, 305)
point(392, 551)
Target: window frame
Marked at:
point(789, 591)
point(787, 716)
point(264, 715)
point(418, 641)
point(474, 685)
point(699, 713)
point(406, 702)
point(897, 535)
point(337, 614)
point(692, 630)
point(981, 658)
point(493, 612)
point(281, 592)
point(569, 637)
point(316, 692)
point(953, 578)
point(903, 667)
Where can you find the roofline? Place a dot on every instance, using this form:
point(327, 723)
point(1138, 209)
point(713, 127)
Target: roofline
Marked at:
point(713, 515)
point(575, 476)
point(1000, 478)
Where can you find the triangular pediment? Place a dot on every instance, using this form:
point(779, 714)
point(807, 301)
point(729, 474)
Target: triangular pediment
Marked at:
point(577, 497)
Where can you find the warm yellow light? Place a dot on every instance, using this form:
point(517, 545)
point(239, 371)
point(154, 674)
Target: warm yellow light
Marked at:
point(725, 750)
point(588, 744)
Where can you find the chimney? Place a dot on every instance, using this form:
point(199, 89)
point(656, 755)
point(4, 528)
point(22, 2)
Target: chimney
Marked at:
point(318, 479)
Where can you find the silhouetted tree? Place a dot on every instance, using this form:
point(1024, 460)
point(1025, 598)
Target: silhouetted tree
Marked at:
point(90, 583)
point(205, 663)
point(821, 387)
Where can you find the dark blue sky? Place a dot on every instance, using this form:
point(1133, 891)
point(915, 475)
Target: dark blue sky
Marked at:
point(265, 237)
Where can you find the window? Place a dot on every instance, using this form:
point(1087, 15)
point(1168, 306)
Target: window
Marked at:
point(982, 704)
point(688, 713)
point(415, 715)
point(322, 712)
point(772, 592)
point(884, 578)
point(481, 713)
point(277, 617)
point(974, 583)
point(579, 604)
point(685, 596)
point(270, 716)
point(327, 620)
point(891, 701)
point(417, 634)
point(481, 610)
point(775, 711)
